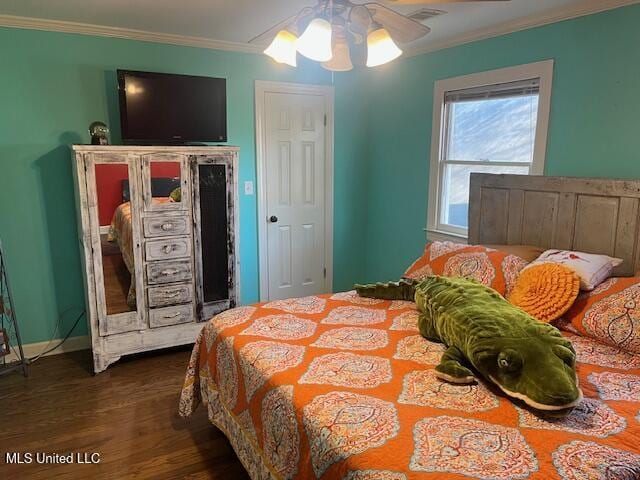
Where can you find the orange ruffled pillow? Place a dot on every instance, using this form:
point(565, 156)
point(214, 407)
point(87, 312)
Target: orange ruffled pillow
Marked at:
point(546, 291)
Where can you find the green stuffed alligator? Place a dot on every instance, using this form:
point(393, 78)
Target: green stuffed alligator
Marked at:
point(529, 360)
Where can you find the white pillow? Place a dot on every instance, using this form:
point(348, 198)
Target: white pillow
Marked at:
point(592, 269)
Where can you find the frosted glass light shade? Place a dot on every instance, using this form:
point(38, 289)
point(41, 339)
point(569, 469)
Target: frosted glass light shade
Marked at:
point(381, 48)
point(315, 42)
point(283, 48)
point(341, 60)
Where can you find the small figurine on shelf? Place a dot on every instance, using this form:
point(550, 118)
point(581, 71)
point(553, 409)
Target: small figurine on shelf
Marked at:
point(99, 132)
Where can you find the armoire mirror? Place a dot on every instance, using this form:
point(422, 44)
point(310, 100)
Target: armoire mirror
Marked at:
point(113, 193)
point(164, 183)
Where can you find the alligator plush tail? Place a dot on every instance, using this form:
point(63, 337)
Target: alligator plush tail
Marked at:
point(403, 290)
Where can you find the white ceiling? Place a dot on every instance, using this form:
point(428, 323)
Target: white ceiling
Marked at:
point(238, 21)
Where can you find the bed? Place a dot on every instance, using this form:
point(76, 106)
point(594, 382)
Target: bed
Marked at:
point(342, 387)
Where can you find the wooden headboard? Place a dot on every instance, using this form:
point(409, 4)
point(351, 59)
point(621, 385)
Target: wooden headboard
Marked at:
point(583, 214)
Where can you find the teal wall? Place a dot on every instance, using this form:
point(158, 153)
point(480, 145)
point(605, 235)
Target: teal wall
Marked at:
point(594, 124)
point(52, 86)
point(351, 146)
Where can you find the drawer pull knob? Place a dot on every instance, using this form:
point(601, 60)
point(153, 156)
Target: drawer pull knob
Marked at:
point(168, 272)
point(174, 315)
point(172, 294)
point(166, 226)
point(167, 249)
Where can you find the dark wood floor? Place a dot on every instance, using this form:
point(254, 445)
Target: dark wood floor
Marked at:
point(127, 414)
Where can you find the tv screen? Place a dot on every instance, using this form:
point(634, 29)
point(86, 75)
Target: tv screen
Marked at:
point(167, 108)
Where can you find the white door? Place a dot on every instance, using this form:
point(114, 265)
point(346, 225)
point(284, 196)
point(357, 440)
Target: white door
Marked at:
point(294, 170)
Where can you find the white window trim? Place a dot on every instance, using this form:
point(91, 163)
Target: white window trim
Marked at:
point(542, 70)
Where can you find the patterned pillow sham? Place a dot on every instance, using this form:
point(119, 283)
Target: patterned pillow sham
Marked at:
point(610, 314)
point(494, 268)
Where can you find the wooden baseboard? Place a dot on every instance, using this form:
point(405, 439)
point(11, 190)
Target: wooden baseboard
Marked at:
point(82, 342)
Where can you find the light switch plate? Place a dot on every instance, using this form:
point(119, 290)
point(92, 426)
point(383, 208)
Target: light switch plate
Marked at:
point(248, 188)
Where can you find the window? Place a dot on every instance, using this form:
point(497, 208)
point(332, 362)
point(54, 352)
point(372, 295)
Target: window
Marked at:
point(491, 122)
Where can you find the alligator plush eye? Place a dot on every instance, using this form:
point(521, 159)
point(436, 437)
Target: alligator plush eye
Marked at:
point(509, 361)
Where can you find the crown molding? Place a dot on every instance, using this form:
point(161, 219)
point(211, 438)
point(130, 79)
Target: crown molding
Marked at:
point(125, 33)
point(545, 18)
point(531, 21)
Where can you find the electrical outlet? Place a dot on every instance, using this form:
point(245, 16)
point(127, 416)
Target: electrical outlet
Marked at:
point(248, 188)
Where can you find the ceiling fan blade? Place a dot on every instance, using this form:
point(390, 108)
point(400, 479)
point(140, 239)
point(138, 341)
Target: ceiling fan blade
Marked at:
point(427, 2)
point(401, 28)
point(359, 22)
point(265, 38)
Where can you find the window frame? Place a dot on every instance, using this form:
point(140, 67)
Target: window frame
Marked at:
point(542, 70)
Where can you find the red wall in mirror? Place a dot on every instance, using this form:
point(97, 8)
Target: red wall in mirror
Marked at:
point(109, 177)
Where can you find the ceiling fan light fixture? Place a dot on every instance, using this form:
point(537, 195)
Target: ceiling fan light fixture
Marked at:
point(283, 48)
point(315, 42)
point(381, 48)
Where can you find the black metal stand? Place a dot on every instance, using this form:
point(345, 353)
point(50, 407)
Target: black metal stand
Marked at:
point(9, 331)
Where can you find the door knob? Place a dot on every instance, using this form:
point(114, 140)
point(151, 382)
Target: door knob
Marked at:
point(273, 219)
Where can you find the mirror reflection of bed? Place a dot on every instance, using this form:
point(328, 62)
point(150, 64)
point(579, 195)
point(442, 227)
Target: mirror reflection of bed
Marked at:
point(116, 232)
point(117, 279)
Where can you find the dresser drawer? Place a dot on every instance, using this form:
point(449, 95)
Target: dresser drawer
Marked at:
point(168, 249)
point(170, 295)
point(165, 226)
point(168, 272)
point(163, 317)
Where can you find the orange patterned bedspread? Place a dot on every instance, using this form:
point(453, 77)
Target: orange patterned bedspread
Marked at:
point(343, 387)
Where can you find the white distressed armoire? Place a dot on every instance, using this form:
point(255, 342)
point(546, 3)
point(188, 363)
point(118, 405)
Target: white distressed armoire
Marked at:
point(157, 228)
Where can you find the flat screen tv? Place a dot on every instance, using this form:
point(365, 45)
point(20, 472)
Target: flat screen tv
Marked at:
point(171, 109)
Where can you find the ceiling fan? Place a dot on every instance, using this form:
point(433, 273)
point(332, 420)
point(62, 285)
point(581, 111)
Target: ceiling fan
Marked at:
point(333, 31)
